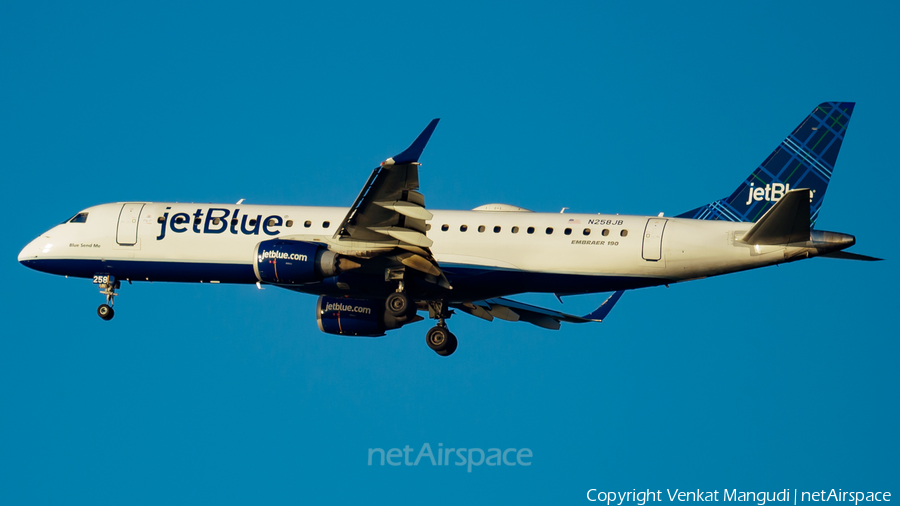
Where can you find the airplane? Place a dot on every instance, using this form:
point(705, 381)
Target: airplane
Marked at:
point(378, 263)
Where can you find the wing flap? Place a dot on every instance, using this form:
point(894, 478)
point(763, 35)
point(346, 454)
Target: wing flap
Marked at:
point(406, 235)
point(419, 263)
point(503, 312)
point(409, 209)
point(542, 321)
point(474, 310)
point(510, 310)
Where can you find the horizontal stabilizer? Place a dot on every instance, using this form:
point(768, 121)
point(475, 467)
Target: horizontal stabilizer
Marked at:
point(846, 255)
point(786, 222)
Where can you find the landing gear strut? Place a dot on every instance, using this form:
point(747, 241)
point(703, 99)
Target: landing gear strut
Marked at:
point(105, 311)
point(439, 338)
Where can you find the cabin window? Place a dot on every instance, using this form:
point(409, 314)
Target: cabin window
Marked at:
point(234, 222)
point(496, 230)
point(196, 221)
point(160, 220)
point(326, 224)
point(427, 227)
point(271, 222)
point(549, 230)
point(587, 231)
point(289, 223)
point(481, 228)
point(530, 230)
point(515, 230)
point(623, 233)
point(179, 220)
point(307, 223)
point(79, 218)
point(445, 227)
point(605, 232)
point(463, 228)
point(216, 221)
point(568, 231)
point(252, 222)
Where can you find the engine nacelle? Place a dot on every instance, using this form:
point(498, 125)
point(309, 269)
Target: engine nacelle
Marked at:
point(353, 317)
point(296, 262)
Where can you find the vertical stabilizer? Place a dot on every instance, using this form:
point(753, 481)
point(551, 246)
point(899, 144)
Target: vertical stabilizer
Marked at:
point(805, 159)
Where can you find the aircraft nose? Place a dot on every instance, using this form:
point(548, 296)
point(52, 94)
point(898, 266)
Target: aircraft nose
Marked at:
point(33, 249)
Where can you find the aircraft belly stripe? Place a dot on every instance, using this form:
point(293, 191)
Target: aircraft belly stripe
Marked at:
point(139, 270)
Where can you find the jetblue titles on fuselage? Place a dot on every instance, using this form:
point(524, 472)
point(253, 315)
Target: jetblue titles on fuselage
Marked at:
point(215, 220)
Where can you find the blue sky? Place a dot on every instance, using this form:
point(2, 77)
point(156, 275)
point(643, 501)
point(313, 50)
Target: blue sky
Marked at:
point(778, 378)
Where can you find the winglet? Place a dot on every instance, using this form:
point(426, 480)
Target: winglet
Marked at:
point(600, 313)
point(414, 151)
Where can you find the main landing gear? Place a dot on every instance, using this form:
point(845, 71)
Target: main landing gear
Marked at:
point(399, 306)
point(439, 338)
point(109, 286)
point(401, 309)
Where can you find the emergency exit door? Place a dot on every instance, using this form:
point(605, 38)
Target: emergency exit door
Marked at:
point(653, 234)
point(129, 218)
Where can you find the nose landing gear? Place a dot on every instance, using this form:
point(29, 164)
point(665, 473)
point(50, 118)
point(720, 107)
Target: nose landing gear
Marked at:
point(106, 312)
point(109, 286)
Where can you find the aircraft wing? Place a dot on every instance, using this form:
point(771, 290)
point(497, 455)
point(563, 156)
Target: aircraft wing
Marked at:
point(510, 310)
point(390, 207)
point(390, 210)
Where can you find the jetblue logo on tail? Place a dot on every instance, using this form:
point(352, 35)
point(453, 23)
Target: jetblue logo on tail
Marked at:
point(770, 193)
point(805, 159)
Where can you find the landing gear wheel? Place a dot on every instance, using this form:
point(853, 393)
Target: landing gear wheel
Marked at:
point(399, 306)
point(105, 312)
point(451, 347)
point(441, 340)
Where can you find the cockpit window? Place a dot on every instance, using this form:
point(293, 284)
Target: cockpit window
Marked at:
point(78, 218)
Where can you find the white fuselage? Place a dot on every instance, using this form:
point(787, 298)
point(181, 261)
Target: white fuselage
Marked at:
point(192, 242)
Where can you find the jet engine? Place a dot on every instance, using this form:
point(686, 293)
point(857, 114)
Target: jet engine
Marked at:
point(353, 317)
point(297, 262)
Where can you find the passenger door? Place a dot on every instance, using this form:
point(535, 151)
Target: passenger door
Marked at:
point(653, 234)
point(129, 218)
